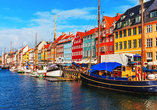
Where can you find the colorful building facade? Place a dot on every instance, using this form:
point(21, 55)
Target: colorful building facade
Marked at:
point(106, 34)
point(77, 47)
point(127, 33)
point(89, 46)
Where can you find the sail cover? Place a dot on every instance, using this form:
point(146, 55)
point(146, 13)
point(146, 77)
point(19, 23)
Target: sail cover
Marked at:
point(108, 66)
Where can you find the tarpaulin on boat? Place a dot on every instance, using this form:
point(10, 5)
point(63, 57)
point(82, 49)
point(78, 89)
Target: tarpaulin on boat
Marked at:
point(75, 64)
point(108, 66)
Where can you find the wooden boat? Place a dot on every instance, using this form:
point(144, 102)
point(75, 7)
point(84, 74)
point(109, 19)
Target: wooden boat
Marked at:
point(136, 81)
point(53, 71)
point(13, 69)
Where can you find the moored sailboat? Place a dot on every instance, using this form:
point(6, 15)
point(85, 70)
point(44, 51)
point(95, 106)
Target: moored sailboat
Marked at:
point(108, 75)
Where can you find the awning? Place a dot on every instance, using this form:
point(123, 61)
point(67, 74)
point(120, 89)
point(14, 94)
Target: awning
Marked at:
point(108, 66)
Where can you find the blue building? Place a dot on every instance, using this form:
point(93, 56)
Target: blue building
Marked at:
point(89, 46)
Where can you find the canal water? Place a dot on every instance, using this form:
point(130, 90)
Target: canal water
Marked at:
point(24, 92)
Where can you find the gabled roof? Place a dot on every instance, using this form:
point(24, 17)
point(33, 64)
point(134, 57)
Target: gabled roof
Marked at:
point(90, 32)
point(60, 37)
point(135, 12)
point(81, 34)
point(47, 46)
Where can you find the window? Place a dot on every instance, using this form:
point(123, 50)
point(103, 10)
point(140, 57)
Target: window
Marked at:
point(120, 34)
point(156, 55)
point(149, 55)
point(107, 48)
point(139, 42)
point(107, 39)
point(153, 14)
point(120, 45)
point(92, 43)
point(119, 25)
point(134, 31)
point(111, 48)
point(134, 43)
point(127, 22)
point(89, 43)
point(124, 33)
point(111, 39)
point(111, 30)
point(139, 30)
point(107, 31)
point(124, 45)
point(116, 35)
point(149, 28)
point(156, 27)
point(149, 42)
point(129, 32)
point(86, 44)
point(103, 32)
point(138, 19)
point(129, 44)
point(116, 46)
point(104, 40)
point(100, 41)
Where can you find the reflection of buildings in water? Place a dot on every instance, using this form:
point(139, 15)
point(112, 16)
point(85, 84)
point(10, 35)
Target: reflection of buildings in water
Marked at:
point(151, 104)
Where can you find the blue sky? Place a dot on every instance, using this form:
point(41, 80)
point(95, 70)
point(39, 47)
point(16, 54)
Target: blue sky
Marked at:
point(20, 20)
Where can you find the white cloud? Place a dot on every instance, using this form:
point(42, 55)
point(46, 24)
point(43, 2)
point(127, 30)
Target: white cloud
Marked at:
point(43, 24)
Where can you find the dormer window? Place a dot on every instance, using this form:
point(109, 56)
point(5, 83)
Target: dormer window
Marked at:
point(122, 17)
point(139, 11)
point(153, 14)
point(103, 24)
point(131, 14)
point(137, 19)
point(119, 24)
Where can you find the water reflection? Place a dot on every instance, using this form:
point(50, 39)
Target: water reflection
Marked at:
point(24, 92)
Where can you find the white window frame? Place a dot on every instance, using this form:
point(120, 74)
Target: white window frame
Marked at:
point(149, 28)
point(149, 42)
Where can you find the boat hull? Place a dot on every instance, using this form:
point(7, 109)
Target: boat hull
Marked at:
point(54, 73)
point(120, 85)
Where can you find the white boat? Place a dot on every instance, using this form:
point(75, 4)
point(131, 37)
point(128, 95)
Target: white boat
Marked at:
point(53, 71)
point(27, 71)
point(13, 69)
point(34, 74)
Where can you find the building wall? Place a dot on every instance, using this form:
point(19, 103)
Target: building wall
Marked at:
point(89, 46)
point(77, 49)
point(151, 35)
point(67, 51)
point(136, 37)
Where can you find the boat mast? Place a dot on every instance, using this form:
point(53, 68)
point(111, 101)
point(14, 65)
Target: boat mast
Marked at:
point(12, 56)
point(35, 50)
point(10, 52)
point(142, 39)
point(54, 46)
point(98, 57)
point(4, 57)
point(22, 55)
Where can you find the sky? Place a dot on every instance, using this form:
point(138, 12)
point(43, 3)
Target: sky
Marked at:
point(20, 20)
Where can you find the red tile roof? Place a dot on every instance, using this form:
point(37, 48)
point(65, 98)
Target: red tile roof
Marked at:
point(92, 31)
point(47, 46)
point(60, 37)
point(81, 34)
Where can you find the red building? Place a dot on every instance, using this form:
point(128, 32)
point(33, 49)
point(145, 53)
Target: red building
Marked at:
point(106, 34)
point(77, 47)
point(60, 48)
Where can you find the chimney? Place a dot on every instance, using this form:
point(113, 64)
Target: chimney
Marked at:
point(117, 14)
point(63, 33)
point(70, 33)
point(140, 1)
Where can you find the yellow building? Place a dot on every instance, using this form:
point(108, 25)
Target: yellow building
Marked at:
point(151, 40)
point(43, 54)
point(127, 34)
